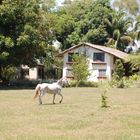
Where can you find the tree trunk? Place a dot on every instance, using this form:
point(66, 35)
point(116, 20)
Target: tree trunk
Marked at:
point(77, 83)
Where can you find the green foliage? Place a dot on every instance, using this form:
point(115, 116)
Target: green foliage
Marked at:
point(119, 70)
point(117, 77)
point(8, 73)
point(120, 84)
point(135, 60)
point(131, 8)
point(104, 87)
point(98, 36)
point(128, 67)
point(95, 22)
point(23, 83)
point(73, 83)
point(117, 29)
point(132, 81)
point(80, 68)
point(5, 44)
point(104, 103)
point(21, 32)
point(47, 5)
point(24, 32)
point(82, 21)
point(51, 64)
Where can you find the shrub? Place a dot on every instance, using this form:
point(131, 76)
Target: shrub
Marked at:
point(126, 81)
point(117, 76)
point(23, 83)
point(7, 73)
point(119, 70)
point(121, 84)
point(83, 84)
point(104, 101)
point(133, 80)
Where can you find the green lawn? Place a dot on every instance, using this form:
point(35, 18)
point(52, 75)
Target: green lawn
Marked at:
point(79, 117)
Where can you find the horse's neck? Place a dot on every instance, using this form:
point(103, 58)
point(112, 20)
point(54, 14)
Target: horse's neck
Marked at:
point(59, 82)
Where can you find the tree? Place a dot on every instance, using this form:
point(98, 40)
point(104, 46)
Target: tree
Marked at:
point(135, 60)
point(117, 78)
point(119, 70)
point(23, 33)
point(131, 6)
point(8, 73)
point(117, 27)
point(52, 65)
point(82, 21)
point(80, 68)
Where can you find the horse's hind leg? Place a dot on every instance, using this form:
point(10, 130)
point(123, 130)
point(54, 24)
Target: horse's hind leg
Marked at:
point(40, 96)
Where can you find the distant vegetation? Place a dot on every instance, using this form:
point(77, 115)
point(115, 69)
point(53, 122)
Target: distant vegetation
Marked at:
point(29, 28)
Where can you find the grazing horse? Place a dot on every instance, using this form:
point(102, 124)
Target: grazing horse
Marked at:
point(54, 88)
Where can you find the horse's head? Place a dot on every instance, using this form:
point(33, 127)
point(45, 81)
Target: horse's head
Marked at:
point(63, 82)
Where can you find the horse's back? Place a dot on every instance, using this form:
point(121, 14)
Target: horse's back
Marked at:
point(50, 88)
point(54, 86)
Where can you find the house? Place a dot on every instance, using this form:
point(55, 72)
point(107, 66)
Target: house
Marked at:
point(35, 73)
point(101, 60)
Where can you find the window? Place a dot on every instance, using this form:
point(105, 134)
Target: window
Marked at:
point(98, 57)
point(102, 72)
point(70, 56)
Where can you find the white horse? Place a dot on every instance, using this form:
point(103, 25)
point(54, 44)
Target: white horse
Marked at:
point(54, 88)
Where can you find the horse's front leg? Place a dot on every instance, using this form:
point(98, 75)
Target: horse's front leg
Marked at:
point(61, 98)
point(59, 93)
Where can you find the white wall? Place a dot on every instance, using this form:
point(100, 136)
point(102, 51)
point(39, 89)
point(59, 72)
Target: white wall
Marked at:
point(33, 73)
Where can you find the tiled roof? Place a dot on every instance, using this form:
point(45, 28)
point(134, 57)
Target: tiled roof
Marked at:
point(112, 51)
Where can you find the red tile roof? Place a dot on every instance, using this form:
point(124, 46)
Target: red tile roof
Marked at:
point(112, 51)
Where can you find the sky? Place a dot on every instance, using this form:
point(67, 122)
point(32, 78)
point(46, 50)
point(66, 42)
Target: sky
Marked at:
point(59, 2)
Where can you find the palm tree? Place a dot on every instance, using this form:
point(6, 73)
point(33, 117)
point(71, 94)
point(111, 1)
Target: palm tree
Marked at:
point(137, 30)
point(117, 26)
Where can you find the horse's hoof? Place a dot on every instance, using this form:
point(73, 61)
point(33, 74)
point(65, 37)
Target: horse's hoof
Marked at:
point(60, 102)
point(53, 103)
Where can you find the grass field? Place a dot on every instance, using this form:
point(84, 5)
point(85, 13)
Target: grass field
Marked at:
point(79, 117)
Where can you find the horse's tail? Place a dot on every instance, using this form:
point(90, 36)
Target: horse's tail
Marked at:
point(37, 91)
